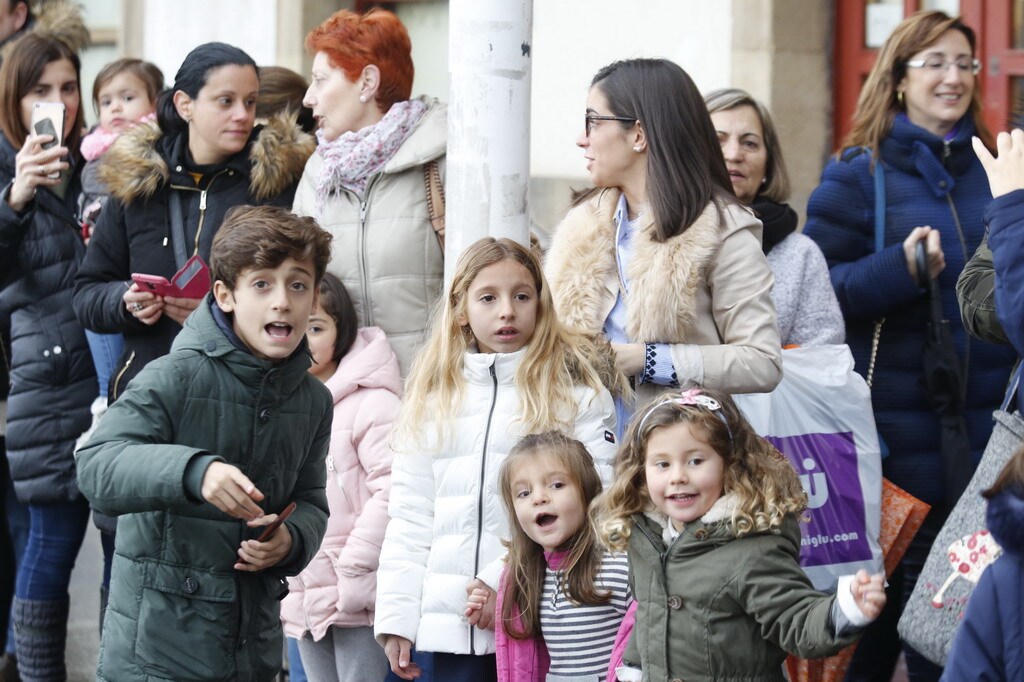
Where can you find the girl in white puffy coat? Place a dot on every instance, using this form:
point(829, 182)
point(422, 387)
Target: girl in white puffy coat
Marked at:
point(497, 366)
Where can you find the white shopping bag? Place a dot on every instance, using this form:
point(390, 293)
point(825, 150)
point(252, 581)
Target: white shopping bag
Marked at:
point(820, 417)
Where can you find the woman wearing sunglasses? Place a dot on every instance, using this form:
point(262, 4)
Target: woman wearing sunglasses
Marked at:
point(660, 256)
point(919, 108)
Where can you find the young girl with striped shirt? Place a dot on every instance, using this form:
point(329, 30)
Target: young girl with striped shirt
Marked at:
point(562, 596)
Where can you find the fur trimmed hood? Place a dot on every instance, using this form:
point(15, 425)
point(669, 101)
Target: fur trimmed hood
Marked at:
point(664, 277)
point(135, 166)
point(59, 18)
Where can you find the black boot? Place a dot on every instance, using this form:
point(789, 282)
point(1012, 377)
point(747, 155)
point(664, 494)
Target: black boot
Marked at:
point(40, 635)
point(104, 595)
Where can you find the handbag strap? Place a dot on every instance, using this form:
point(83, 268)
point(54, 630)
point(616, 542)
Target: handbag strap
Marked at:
point(435, 199)
point(178, 230)
point(879, 245)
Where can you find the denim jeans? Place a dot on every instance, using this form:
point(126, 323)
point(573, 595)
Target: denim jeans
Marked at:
point(105, 350)
point(55, 535)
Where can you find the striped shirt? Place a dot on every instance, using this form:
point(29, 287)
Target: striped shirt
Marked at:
point(579, 638)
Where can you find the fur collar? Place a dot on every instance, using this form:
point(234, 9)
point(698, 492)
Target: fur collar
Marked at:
point(59, 18)
point(665, 277)
point(134, 167)
point(721, 510)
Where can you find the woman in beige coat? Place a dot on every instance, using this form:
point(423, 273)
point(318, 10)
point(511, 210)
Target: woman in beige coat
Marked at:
point(366, 183)
point(660, 256)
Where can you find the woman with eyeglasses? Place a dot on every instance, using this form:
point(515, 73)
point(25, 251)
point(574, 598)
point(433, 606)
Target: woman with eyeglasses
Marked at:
point(911, 139)
point(660, 256)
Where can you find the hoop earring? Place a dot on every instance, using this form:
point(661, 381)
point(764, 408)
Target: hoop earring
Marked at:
point(899, 100)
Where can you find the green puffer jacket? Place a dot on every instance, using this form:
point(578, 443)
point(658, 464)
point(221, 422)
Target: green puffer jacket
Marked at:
point(714, 607)
point(178, 609)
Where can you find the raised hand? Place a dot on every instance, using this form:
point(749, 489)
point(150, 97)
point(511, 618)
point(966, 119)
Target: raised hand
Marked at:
point(1005, 173)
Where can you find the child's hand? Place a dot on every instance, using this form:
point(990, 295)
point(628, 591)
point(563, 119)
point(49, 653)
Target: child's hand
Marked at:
point(869, 593)
point(476, 602)
point(255, 556)
point(228, 489)
point(481, 616)
point(399, 653)
point(1005, 173)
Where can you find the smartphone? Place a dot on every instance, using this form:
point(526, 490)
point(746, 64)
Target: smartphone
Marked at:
point(48, 119)
point(270, 530)
point(154, 284)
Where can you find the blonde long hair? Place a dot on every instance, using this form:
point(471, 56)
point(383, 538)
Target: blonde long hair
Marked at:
point(555, 362)
point(766, 486)
point(877, 104)
point(524, 581)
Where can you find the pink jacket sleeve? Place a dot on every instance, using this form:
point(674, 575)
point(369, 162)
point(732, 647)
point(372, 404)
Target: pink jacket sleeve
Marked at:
point(621, 640)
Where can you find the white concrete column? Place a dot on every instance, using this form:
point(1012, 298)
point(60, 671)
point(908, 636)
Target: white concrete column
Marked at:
point(488, 173)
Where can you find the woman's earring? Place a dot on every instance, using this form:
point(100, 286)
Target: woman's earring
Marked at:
point(764, 180)
point(362, 98)
point(638, 149)
point(899, 100)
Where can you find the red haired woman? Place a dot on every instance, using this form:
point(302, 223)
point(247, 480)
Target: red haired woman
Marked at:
point(365, 184)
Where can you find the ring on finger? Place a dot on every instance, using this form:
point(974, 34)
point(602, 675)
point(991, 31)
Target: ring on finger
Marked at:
point(40, 170)
point(137, 306)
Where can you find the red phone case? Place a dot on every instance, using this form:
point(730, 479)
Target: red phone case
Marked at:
point(192, 281)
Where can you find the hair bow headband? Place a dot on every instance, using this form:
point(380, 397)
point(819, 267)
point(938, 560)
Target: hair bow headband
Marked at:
point(692, 396)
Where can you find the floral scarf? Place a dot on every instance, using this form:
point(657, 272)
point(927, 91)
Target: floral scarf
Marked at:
point(350, 160)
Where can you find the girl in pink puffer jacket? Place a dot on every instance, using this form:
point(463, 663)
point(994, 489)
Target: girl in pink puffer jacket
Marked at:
point(330, 606)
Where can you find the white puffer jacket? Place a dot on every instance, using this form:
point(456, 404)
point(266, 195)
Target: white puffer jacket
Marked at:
point(447, 519)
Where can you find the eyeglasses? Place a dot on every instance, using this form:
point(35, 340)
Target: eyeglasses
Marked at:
point(590, 118)
point(939, 65)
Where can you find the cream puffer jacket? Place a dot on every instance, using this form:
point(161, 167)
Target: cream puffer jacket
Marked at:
point(339, 585)
point(385, 250)
point(447, 519)
point(709, 286)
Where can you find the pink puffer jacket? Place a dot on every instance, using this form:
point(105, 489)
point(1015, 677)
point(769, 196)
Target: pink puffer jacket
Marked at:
point(339, 586)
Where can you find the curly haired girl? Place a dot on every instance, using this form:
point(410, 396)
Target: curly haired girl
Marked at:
point(708, 512)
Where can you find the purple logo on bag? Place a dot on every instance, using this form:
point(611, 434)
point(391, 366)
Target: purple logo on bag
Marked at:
point(827, 465)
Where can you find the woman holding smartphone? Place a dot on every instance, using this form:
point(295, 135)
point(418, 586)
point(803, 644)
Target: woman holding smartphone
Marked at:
point(52, 376)
point(170, 188)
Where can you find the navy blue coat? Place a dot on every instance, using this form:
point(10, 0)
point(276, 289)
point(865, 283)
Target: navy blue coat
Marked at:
point(989, 642)
point(53, 381)
point(927, 182)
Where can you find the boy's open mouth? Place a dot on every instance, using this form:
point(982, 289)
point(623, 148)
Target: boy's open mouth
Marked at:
point(544, 520)
point(279, 330)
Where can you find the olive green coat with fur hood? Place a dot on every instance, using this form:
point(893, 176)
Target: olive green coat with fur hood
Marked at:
point(715, 607)
point(178, 609)
point(145, 172)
